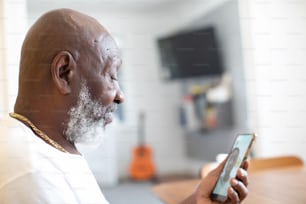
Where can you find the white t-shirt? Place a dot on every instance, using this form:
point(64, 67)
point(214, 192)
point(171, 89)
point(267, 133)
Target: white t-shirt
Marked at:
point(33, 172)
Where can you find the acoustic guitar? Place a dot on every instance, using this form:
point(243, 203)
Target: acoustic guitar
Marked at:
point(142, 167)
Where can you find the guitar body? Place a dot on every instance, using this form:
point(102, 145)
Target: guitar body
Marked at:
point(142, 167)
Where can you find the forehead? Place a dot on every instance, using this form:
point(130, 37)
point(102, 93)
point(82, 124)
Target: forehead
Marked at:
point(108, 48)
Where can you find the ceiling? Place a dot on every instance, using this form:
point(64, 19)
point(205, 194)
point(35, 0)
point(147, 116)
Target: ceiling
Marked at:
point(43, 5)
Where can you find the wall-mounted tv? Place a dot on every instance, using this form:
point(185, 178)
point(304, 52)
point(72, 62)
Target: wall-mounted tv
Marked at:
point(190, 54)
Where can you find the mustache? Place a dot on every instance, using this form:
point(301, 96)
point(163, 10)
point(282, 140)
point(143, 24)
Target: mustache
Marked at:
point(111, 108)
point(102, 111)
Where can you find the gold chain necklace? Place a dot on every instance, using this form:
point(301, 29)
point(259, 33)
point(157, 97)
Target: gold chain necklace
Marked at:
point(38, 132)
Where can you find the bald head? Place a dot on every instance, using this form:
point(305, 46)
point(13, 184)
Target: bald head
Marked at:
point(58, 30)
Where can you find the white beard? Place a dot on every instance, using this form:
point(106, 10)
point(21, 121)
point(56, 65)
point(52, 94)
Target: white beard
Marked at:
point(87, 120)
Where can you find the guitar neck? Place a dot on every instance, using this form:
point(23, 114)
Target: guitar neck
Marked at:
point(141, 134)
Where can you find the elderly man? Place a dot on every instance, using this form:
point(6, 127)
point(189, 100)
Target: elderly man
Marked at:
point(68, 89)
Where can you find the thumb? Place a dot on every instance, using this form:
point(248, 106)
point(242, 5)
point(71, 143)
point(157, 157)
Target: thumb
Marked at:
point(218, 169)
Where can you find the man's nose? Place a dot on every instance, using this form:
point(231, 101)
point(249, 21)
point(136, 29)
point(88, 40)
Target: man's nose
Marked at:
point(119, 98)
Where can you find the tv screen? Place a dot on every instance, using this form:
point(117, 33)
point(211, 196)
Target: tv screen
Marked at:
point(190, 54)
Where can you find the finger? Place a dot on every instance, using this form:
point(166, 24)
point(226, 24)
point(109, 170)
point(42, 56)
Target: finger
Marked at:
point(245, 164)
point(239, 188)
point(242, 175)
point(233, 197)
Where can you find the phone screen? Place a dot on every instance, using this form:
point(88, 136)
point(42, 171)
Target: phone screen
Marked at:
point(237, 154)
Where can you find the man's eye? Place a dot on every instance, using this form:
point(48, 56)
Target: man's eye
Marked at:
point(114, 78)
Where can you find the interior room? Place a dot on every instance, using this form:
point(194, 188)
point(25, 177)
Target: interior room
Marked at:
point(185, 119)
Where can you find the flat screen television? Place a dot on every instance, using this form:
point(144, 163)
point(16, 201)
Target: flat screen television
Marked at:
point(190, 54)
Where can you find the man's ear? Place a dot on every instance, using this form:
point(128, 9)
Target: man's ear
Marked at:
point(63, 69)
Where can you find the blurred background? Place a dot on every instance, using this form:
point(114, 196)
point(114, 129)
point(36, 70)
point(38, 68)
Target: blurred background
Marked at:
point(191, 107)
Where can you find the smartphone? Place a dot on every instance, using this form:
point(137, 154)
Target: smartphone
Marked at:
point(240, 151)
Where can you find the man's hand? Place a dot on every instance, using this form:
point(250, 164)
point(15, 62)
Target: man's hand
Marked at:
point(237, 192)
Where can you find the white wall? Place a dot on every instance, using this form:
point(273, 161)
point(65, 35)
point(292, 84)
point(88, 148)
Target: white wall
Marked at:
point(3, 89)
point(274, 36)
point(13, 30)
